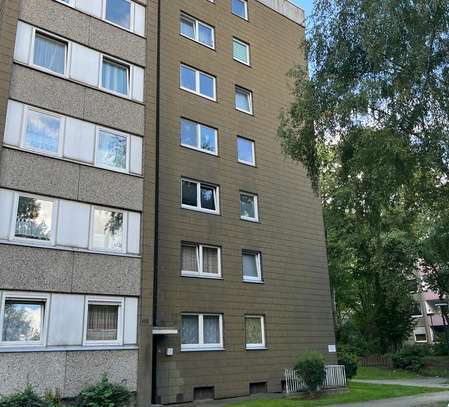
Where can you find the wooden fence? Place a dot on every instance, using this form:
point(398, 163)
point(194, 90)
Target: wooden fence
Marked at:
point(376, 361)
point(335, 378)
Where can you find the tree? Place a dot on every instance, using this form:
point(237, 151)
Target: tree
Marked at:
point(371, 127)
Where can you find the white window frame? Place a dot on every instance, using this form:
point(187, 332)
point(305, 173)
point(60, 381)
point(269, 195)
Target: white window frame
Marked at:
point(418, 315)
point(245, 2)
point(258, 256)
point(23, 133)
point(199, 261)
point(131, 16)
point(253, 147)
point(250, 97)
point(248, 53)
point(198, 197)
point(256, 207)
point(197, 91)
point(25, 296)
point(92, 229)
point(198, 137)
point(56, 38)
point(98, 300)
point(98, 164)
point(263, 345)
point(116, 62)
point(422, 341)
point(196, 24)
point(201, 346)
point(54, 217)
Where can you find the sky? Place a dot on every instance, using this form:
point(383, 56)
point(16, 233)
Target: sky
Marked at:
point(307, 5)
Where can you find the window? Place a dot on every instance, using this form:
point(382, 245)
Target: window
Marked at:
point(255, 332)
point(245, 151)
point(22, 319)
point(119, 12)
point(200, 260)
point(112, 150)
point(199, 196)
point(42, 132)
point(197, 82)
point(416, 312)
point(243, 100)
point(198, 136)
point(34, 219)
point(197, 31)
point(201, 332)
point(241, 51)
point(413, 285)
point(115, 77)
point(108, 230)
point(50, 53)
point(420, 334)
point(103, 321)
point(248, 207)
point(251, 266)
point(240, 8)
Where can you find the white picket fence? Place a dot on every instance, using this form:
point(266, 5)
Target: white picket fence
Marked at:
point(335, 377)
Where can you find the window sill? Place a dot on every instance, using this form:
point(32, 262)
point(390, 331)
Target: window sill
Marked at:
point(203, 350)
point(254, 281)
point(250, 220)
point(244, 111)
point(77, 348)
point(196, 275)
point(195, 209)
point(257, 348)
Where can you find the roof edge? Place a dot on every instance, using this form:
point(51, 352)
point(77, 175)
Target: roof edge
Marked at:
point(287, 9)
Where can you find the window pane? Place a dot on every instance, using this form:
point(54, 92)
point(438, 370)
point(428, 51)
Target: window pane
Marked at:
point(207, 197)
point(187, 27)
point(253, 330)
point(115, 77)
point(108, 230)
point(211, 329)
point(241, 52)
point(208, 138)
point(111, 150)
point(245, 151)
point(239, 8)
point(34, 218)
point(207, 85)
point(205, 35)
point(242, 100)
point(188, 78)
point(247, 209)
point(119, 12)
point(210, 260)
point(102, 322)
point(189, 193)
point(22, 321)
point(188, 133)
point(42, 132)
point(189, 330)
point(49, 53)
point(189, 258)
point(249, 265)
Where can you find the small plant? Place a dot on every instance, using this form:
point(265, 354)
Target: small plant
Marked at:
point(25, 398)
point(104, 394)
point(410, 357)
point(312, 372)
point(53, 398)
point(350, 362)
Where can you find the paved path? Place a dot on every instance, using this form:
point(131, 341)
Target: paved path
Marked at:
point(438, 382)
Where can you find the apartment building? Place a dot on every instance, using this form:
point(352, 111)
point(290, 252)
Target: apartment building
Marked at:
point(150, 226)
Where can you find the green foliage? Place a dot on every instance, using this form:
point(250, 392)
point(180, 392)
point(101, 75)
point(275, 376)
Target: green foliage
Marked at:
point(311, 369)
point(53, 398)
point(350, 362)
point(411, 357)
point(440, 348)
point(104, 394)
point(25, 398)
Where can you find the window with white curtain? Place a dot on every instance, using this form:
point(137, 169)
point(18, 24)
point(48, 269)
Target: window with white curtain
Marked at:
point(251, 266)
point(197, 30)
point(243, 100)
point(198, 82)
point(50, 53)
point(199, 196)
point(108, 230)
point(119, 12)
point(201, 332)
point(241, 51)
point(198, 136)
point(115, 76)
point(42, 132)
point(199, 260)
point(248, 207)
point(255, 332)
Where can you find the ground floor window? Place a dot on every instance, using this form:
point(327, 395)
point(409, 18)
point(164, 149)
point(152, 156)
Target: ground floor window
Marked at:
point(255, 332)
point(201, 332)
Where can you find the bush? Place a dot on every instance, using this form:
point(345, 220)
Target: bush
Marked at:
point(104, 394)
point(25, 398)
point(311, 370)
point(410, 357)
point(350, 362)
point(440, 348)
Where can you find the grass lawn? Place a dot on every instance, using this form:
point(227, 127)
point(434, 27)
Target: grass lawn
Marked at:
point(378, 373)
point(358, 392)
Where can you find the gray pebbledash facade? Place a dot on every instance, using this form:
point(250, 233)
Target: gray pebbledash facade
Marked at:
point(150, 226)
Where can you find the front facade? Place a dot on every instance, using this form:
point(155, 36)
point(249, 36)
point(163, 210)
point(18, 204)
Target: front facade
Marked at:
point(150, 227)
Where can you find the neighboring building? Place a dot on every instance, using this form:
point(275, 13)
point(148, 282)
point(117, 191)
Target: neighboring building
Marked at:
point(150, 226)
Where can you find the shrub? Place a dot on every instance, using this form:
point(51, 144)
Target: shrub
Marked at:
point(440, 348)
point(311, 370)
point(54, 399)
point(350, 362)
point(104, 394)
point(410, 357)
point(25, 398)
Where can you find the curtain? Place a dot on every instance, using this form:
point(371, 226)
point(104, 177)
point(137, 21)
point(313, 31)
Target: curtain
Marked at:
point(115, 77)
point(240, 52)
point(253, 330)
point(189, 330)
point(189, 258)
point(102, 322)
point(211, 327)
point(49, 54)
point(210, 260)
point(249, 265)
